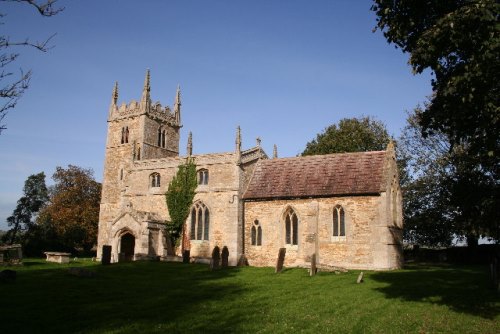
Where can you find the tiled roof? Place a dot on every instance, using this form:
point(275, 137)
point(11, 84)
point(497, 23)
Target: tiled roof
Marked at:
point(318, 175)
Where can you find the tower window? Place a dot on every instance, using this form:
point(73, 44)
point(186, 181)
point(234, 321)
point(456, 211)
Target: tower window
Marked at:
point(203, 176)
point(125, 133)
point(154, 180)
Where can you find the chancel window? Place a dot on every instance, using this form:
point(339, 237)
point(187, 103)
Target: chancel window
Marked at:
point(203, 176)
point(200, 222)
point(256, 234)
point(338, 222)
point(291, 227)
point(155, 180)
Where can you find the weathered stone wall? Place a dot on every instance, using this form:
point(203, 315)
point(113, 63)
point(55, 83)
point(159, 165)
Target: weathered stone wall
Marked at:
point(367, 244)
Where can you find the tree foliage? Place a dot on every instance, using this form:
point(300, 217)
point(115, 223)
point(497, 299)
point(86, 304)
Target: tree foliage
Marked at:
point(350, 135)
point(13, 86)
point(459, 41)
point(73, 208)
point(445, 194)
point(23, 217)
point(426, 164)
point(179, 198)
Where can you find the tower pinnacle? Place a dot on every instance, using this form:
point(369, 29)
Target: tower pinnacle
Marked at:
point(275, 152)
point(238, 139)
point(146, 98)
point(190, 144)
point(177, 105)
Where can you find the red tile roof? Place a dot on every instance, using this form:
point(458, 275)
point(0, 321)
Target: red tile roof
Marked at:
point(318, 175)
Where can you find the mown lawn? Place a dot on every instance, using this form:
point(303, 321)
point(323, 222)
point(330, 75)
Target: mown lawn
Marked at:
point(158, 297)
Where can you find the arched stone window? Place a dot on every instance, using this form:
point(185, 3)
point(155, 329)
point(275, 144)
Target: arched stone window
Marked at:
point(200, 222)
point(338, 221)
point(159, 136)
point(154, 180)
point(256, 234)
point(203, 176)
point(291, 227)
point(126, 134)
point(163, 139)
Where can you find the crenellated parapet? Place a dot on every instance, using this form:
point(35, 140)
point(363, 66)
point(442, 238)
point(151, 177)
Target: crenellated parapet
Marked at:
point(163, 114)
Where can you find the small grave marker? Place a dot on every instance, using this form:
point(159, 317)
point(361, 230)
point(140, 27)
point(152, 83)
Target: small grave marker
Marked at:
point(360, 278)
point(225, 257)
point(214, 263)
point(281, 260)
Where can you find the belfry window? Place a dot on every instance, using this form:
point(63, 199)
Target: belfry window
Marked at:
point(291, 228)
point(159, 136)
point(200, 222)
point(125, 133)
point(154, 180)
point(203, 176)
point(338, 222)
point(256, 234)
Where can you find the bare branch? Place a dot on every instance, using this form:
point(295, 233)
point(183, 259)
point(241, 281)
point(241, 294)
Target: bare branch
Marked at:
point(45, 8)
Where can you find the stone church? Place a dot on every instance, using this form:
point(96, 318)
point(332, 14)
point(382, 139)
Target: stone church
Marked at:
point(345, 208)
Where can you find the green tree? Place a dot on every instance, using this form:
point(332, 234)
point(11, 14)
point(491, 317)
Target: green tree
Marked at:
point(350, 135)
point(23, 216)
point(179, 198)
point(73, 208)
point(425, 163)
point(459, 41)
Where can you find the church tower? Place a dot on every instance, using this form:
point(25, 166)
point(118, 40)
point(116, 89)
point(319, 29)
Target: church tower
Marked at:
point(136, 131)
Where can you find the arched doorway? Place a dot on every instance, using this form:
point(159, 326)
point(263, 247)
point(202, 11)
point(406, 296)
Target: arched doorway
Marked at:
point(127, 245)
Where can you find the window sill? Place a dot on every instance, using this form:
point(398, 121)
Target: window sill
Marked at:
point(338, 239)
point(292, 247)
point(198, 241)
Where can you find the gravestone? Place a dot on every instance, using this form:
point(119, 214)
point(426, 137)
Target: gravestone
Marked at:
point(186, 256)
point(214, 262)
point(313, 265)
point(360, 278)
point(281, 260)
point(106, 255)
point(225, 257)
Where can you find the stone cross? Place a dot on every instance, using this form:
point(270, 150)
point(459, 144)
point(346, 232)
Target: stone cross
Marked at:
point(281, 260)
point(225, 257)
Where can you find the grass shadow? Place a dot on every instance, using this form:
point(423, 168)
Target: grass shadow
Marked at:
point(461, 288)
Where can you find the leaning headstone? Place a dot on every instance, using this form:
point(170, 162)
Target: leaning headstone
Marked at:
point(313, 265)
point(186, 254)
point(360, 278)
point(224, 257)
point(214, 262)
point(281, 260)
point(106, 254)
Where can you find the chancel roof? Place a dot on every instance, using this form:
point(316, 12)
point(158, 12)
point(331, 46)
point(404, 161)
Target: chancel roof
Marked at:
point(318, 176)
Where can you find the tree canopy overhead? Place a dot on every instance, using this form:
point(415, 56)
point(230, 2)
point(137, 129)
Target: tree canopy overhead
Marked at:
point(350, 135)
point(459, 41)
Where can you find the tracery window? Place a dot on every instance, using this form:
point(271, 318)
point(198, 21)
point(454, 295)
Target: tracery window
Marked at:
point(155, 180)
point(338, 221)
point(203, 176)
point(256, 234)
point(291, 227)
point(200, 222)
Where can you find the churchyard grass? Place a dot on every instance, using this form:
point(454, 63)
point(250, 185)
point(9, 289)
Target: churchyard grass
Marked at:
point(159, 297)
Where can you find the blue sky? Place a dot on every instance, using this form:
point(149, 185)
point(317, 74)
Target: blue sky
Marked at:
point(282, 70)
